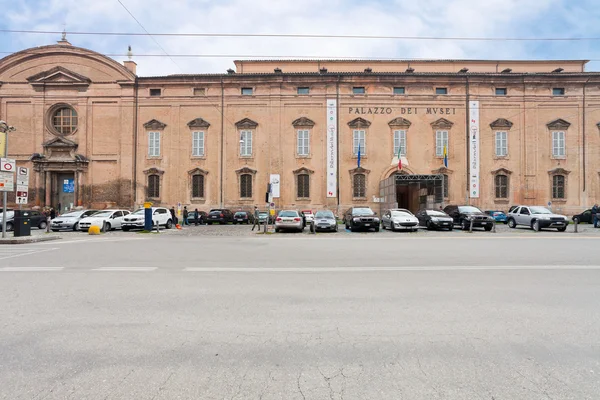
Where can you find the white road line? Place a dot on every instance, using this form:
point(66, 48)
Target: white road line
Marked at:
point(125, 269)
point(26, 252)
point(95, 240)
point(31, 269)
point(399, 268)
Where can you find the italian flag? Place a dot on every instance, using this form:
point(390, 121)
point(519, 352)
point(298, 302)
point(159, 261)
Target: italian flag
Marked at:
point(399, 159)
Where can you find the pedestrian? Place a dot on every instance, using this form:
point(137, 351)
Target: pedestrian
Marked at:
point(52, 213)
point(256, 222)
point(595, 211)
point(196, 216)
point(186, 214)
point(173, 216)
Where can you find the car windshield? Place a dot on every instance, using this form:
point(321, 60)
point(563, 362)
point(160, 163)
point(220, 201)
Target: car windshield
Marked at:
point(362, 211)
point(324, 214)
point(240, 214)
point(103, 214)
point(436, 213)
point(539, 210)
point(400, 214)
point(137, 212)
point(72, 214)
point(469, 209)
point(288, 214)
point(263, 213)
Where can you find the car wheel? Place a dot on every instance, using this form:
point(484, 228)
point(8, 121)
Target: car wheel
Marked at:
point(9, 226)
point(106, 227)
point(564, 228)
point(336, 228)
point(55, 230)
point(536, 225)
point(169, 224)
point(42, 225)
point(488, 228)
point(76, 227)
point(576, 220)
point(511, 223)
point(377, 229)
point(428, 225)
point(451, 228)
point(464, 225)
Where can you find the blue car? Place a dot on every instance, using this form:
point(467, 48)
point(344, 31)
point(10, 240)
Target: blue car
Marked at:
point(499, 216)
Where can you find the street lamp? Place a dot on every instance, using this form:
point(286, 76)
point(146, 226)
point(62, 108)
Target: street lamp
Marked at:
point(4, 129)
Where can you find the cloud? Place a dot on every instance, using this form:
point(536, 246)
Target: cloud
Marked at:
point(439, 18)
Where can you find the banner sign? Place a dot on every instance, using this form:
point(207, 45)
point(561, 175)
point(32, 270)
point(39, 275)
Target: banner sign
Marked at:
point(331, 148)
point(3, 144)
point(275, 181)
point(474, 149)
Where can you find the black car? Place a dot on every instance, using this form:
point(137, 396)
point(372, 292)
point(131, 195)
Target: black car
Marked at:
point(435, 219)
point(36, 219)
point(201, 217)
point(242, 217)
point(220, 215)
point(585, 216)
point(464, 215)
point(356, 218)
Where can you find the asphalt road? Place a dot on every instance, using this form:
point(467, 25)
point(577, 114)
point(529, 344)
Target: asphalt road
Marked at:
point(301, 317)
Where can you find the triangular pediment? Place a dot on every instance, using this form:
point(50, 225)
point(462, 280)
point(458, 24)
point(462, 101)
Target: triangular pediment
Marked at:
point(442, 123)
point(59, 76)
point(198, 123)
point(155, 125)
point(501, 123)
point(303, 170)
point(246, 123)
point(399, 123)
point(60, 142)
point(359, 123)
point(303, 122)
point(558, 124)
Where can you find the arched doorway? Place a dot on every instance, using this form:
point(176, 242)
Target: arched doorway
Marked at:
point(403, 189)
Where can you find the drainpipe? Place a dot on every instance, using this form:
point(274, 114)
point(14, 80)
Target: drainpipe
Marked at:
point(135, 137)
point(222, 140)
point(467, 119)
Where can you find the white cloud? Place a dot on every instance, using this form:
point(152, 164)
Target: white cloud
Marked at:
point(486, 18)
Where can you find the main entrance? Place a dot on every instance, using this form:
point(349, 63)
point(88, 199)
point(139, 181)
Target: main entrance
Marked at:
point(413, 192)
point(64, 190)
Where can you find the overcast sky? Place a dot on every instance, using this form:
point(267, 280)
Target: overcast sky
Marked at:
point(440, 18)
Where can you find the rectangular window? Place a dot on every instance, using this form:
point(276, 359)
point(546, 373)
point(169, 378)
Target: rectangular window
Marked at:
point(558, 187)
point(399, 143)
point(441, 90)
point(153, 186)
point(441, 141)
point(197, 186)
point(558, 144)
point(246, 186)
point(246, 143)
point(558, 91)
point(199, 91)
point(501, 144)
point(360, 185)
point(303, 182)
point(247, 91)
point(501, 91)
point(303, 142)
point(501, 182)
point(358, 141)
point(197, 144)
point(153, 144)
point(155, 92)
point(358, 90)
point(303, 90)
point(399, 90)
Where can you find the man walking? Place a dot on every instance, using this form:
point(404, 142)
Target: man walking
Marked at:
point(196, 216)
point(256, 222)
point(595, 210)
point(186, 214)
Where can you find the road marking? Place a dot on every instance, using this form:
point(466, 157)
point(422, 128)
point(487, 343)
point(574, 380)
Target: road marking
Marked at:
point(95, 240)
point(20, 252)
point(399, 269)
point(31, 269)
point(125, 269)
point(400, 236)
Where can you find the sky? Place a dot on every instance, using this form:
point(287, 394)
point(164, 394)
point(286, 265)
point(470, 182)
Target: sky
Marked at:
point(422, 18)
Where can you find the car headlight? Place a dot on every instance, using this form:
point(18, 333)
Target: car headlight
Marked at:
point(355, 219)
point(376, 219)
point(435, 219)
point(544, 217)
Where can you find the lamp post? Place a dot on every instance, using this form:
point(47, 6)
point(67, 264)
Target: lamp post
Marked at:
point(4, 129)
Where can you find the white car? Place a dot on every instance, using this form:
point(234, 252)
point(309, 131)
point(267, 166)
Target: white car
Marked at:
point(106, 220)
point(136, 220)
point(308, 216)
point(398, 219)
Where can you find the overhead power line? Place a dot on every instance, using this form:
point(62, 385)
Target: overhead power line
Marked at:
point(307, 36)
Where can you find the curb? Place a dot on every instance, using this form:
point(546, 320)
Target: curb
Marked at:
point(26, 240)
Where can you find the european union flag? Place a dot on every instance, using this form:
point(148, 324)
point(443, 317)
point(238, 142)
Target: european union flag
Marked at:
point(445, 156)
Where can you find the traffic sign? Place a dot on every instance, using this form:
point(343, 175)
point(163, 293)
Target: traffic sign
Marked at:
point(7, 183)
point(22, 188)
point(7, 164)
point(272, 204)
point(21, 200)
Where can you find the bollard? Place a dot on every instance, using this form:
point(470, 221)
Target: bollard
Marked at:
point(157, 227)
point(494, 227)
point(576, 223)
point(48, 224)
point(471, 226)
point(313, 228)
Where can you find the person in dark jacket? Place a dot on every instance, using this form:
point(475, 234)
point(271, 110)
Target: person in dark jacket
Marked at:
point(595, 211)
point(52, 213)
point(196, 216)
point(173, 216)
point(186, 214)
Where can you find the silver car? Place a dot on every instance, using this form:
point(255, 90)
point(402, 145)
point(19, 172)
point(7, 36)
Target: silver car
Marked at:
point(536, 218)
point(399, 219)
point(289, 220)
point(70, 220)
point(325, 221)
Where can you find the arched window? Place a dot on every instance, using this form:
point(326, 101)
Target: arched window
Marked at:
point(359, 185)
point(153, 186)
point(246, 185)
point(501, 185)
point(198, 186)
point(303, 184)
point(558, 187)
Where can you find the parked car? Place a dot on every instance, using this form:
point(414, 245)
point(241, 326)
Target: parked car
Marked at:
point(325, 221)
point(435, 219)
point(585, 216)
point(309, 217)
point(498, 216)
point(512, 208)
point(263, 216)
point(464, 215)
point(361, 218)
point(242, 217)
point(537, 217)
point(137, 219)
point(36, 219)
point(220, 215)
point(289, 220)
point(201, 217)
point(106, 220)
point(70, 220)
point(399, 219)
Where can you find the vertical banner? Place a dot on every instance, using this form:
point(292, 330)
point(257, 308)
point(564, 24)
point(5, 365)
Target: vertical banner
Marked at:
point(474, 149)
point(275, 185)
point(331, 148)
point(3, 144)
